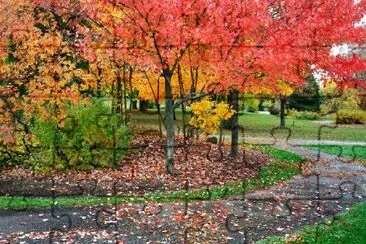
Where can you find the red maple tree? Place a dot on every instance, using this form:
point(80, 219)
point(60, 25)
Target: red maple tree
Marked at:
point(248, 43)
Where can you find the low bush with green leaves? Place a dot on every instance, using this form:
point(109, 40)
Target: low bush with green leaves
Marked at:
point(251, 104)
point(303, 115)
point(336, 99)
point(87, 137)
point(346, 116)
point(274, 110)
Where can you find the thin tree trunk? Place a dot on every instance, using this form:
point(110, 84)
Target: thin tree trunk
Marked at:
point(143, 106)
point(220, 136)
point(131, 92)
point(184, 119)
point(233, 100)
point(169, 116)
point(282, 112)
point(174, 116)
point(119, 94)
point(160, 116)
point(194, 79)
point(159, 119)
point(114, 109)
point(182, 93)
point(99, 89)
point(125, 93)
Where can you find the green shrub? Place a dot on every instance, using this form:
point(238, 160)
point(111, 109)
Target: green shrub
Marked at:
point(293, 113)
point(251, 104)
point(274, 110)
point(346, 116)
point(303, 115)
point(267, 104)
point(336, 100)
point(85, 139)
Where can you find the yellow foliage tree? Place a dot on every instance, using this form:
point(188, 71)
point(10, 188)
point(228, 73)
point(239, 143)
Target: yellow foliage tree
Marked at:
point(208, 115)
point(337, 99)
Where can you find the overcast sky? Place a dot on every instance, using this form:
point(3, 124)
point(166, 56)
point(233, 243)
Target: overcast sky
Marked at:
point(338, 50)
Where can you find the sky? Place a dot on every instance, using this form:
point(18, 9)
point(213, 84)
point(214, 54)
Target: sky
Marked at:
point(338, 50)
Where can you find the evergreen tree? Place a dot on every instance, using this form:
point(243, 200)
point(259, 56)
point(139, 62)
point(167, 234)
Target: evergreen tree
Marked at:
point(306, 98)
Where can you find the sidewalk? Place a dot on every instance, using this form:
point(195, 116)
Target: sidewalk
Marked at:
point(331, 186)
point(293, 142)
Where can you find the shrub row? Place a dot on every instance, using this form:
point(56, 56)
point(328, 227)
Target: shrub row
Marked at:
point(88, 136)
point(346, 116)
point(274, 110)
point(303, 115)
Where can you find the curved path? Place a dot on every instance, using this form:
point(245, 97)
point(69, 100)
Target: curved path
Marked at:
point(331, 186)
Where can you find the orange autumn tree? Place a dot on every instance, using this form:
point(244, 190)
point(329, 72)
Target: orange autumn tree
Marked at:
point(262, 42)
point(251, 42)
point(158, 34)
point(40, 62)
point(40, 73)
point(108, 61)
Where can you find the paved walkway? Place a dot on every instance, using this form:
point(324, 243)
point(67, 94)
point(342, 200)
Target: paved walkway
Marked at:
point(294, 142)
point(331, 186)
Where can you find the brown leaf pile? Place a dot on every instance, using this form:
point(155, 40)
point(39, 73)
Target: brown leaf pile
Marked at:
point(196, 164)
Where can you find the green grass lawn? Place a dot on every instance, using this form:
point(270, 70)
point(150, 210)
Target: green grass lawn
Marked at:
point(261, 125)
point(357, 152)
point(284, 166)
point(348, 227)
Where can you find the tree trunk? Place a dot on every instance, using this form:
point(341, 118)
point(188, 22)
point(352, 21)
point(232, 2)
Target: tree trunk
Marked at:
point(159, 119)
point(184, 118)
point(143, 106)
point(119, 95)
point(113, 97)
point(169, 116)
point(174, 117)
point(233, 100)
point(124, 106)
point(261, 106)
point(99, 88)
point(220, 131)
point(282, 112)
point(132, 106)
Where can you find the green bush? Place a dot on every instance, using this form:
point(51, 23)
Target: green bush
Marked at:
point(274, 110)
point(346, 116)
point(336, 100)
point(267, 104)
point(303, 115)
point(293, 112)
point(89, 137)
point(251, 104)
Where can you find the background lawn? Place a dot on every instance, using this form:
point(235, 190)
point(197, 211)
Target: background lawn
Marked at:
point(357, 152)
point(261, 125)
